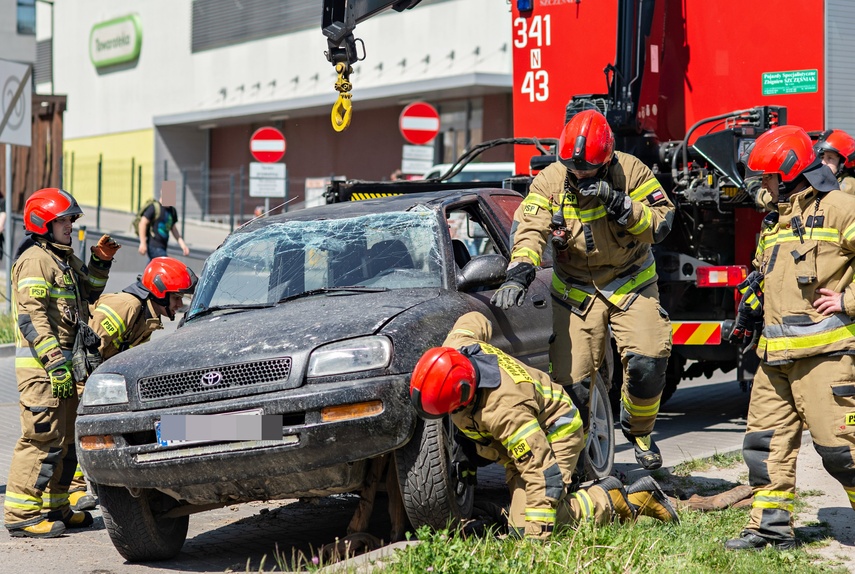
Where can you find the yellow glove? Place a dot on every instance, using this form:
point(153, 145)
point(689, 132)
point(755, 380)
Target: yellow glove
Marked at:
point(106, 248)
point(61, 382)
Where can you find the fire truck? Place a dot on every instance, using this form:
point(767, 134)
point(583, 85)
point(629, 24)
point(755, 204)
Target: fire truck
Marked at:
point(686, 86)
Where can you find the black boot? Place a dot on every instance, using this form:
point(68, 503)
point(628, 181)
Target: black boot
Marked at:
point(646, 452)
point(750, 540)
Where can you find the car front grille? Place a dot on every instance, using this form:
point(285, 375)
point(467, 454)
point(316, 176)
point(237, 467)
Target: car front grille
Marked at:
point(215, 379)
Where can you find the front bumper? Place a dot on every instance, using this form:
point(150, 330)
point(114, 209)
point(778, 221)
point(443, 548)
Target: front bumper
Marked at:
point(314, 457)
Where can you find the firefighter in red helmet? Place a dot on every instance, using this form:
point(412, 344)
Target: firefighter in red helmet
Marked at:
point(51, 291)
point(836, 149)
point(127, 319)
point(601, 210)
point(518, 417)
point(806, 299)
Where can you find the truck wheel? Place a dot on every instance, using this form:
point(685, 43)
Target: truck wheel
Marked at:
point(136, 526)
point(431, 493)
point(600, 448)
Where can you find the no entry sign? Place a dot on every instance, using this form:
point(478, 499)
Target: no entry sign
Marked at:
point(419, 123)
point(267, 145)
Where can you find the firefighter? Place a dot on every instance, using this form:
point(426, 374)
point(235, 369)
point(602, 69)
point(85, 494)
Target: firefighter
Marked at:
point(803, 297)
point(127, 319)
point(836, 149)
point(52, 290)
point(601, 210)
point(517, 416)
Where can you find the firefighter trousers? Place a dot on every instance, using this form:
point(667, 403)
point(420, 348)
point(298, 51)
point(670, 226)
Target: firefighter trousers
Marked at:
point(817, 393)
point(42, 464)
point(643, 337)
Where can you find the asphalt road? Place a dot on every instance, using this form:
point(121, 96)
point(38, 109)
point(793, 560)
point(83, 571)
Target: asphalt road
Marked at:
point(703, 418)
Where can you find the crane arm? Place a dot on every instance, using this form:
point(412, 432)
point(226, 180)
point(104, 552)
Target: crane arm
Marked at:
point(338, 22)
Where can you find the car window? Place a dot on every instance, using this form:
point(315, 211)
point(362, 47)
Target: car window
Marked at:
point(467, 232)
point(507, 205)
point(390, 250)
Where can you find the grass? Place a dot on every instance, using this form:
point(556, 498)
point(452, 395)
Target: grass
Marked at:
point(719, 460)
point(7, 329)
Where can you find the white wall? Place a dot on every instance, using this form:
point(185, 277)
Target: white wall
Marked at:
point(168, 79)
point(14, 46)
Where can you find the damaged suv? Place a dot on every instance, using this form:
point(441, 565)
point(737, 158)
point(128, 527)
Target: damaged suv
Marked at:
point(312, 321)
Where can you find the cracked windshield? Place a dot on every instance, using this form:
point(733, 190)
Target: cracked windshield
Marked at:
point(285, 260)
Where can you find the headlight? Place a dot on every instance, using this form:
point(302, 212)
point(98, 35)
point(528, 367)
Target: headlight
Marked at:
point(106, 389)
point(361, 354)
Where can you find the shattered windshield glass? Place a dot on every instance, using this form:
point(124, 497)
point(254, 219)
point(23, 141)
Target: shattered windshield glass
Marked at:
point(397, 250)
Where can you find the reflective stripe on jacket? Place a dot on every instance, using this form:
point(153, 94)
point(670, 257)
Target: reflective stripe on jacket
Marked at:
point(123, 321)
point(602, 256)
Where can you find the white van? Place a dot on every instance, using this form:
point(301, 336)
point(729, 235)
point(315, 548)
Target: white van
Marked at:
point(475, 171)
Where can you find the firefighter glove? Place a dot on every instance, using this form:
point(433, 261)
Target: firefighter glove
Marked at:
point(749, 314)
point(618, 204)
point(61, 381)
point(106, 248)
point(512, 292)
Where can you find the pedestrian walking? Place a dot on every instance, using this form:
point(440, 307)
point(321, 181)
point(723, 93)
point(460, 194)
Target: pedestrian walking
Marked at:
point(156, 223)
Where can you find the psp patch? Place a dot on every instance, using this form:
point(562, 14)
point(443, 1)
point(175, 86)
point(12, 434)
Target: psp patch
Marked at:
point(850, 419)
point(110, 326)
point(530, 209)
point(520, 449)
point(38, 292)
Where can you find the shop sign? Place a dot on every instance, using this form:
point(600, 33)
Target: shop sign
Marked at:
point(115, 41)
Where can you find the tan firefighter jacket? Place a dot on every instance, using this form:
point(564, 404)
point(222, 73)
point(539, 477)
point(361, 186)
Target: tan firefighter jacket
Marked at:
point(847, 184)
point(602, 256)
point(811, 246)
point(123, 321)
point(516, 419)
point(52, 288)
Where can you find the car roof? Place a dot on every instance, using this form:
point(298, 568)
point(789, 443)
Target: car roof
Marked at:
point(384, 204)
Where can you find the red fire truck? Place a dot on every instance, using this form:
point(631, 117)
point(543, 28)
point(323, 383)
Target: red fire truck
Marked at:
point(687, 86)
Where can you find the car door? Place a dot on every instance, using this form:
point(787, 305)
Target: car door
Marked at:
point(483, 225)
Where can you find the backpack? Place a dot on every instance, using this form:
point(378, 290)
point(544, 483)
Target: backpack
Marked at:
point(135, 224)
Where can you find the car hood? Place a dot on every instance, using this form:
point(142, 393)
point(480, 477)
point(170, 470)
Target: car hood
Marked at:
point(292, 328)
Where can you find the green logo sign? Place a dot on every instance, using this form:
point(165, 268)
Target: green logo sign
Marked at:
point(116, 41)
point(795, 82)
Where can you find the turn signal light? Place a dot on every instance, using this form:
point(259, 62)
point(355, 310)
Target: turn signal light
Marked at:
point(352, 411)
point(97, 442)
point(721, 276)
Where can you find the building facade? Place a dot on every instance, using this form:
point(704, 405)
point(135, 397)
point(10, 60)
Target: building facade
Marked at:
point(173, 90)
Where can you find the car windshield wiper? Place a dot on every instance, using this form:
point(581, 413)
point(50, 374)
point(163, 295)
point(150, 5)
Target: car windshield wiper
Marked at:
point(233, 307)
point(352, 289)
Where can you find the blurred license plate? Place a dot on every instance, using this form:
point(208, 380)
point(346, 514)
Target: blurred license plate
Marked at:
point(198, 429)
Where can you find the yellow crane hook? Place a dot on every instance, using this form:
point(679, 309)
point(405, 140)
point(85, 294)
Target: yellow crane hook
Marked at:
point(342, 109)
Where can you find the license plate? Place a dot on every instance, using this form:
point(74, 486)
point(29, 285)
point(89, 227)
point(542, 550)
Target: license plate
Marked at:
point(200, 429)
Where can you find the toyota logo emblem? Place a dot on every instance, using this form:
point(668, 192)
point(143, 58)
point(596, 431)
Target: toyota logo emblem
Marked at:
point(212, 379)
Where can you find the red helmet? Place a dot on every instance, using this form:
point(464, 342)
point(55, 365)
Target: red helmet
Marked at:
point(442, 382)
point(165, 275)
point(839, 142)
point(587, 141)
point(785, 150)
point(48, 204)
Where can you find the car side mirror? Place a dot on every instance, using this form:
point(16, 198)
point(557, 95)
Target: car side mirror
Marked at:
point(482, 271)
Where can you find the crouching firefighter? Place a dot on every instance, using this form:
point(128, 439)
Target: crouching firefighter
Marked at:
point(802, 296)
point(52, 290)
point(127, 319)
point(517, 416)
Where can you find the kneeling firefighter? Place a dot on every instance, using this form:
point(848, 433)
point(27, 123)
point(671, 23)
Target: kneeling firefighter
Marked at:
point(518, 417)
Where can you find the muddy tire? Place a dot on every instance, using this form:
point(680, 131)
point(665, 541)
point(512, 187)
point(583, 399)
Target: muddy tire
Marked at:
point(136, 526)
point(600, 448)
point(431, 493)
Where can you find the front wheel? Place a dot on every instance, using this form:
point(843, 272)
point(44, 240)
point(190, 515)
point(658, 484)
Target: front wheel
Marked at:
point(430, 490)
point(137, 527)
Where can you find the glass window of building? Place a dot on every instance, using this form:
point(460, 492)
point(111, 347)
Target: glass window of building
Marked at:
point(27, 17)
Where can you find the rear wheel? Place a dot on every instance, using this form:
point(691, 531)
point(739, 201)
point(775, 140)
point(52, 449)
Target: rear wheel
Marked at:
point(431, 492)
point(600, 446)
point(137, 527)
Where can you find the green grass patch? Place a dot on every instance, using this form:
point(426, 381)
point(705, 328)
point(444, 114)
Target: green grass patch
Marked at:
point(719, 460)
point(693, 547)
point(7, 329)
